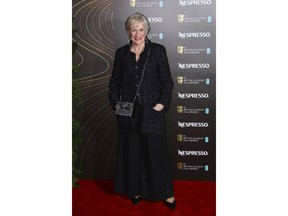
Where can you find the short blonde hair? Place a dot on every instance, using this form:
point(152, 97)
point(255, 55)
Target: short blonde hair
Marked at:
point(137, 18)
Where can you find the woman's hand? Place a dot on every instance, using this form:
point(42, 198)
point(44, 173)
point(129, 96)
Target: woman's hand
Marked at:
point(158, 107)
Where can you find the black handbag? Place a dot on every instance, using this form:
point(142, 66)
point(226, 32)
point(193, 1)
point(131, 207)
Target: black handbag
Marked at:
point(126, 108)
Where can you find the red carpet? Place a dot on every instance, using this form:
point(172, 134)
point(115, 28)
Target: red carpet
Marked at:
point(93, 198)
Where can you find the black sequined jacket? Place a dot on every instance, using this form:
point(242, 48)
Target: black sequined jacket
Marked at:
point(156, 87)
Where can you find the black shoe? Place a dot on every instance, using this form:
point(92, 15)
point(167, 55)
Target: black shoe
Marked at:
point(170, 205)
point(135, 200)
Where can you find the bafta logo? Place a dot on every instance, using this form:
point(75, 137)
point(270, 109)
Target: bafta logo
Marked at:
point(180, 137)
point(132, 3)
point(180, 18)
point(179, 109)
point(180, 80)
point(179, 166)
point(180, 49)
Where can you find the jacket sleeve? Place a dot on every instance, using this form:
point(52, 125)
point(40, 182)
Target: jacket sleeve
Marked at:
point(166, 80)
point(115, 82)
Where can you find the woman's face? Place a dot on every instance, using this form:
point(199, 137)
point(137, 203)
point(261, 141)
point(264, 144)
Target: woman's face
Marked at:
point(138, 33)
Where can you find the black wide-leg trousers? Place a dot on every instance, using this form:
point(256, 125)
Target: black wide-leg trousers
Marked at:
point(143, 165)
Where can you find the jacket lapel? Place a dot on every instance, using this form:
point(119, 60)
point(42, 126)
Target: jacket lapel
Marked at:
point(128, 60)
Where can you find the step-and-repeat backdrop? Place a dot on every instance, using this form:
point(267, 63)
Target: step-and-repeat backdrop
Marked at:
point(187, 28)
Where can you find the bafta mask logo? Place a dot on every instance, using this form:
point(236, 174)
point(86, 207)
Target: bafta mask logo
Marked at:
point(132, 3)
point(180, 80)
point(179, 109)
point(180, 137)
point(180, 18)
point(180, 49)
point(179, 166)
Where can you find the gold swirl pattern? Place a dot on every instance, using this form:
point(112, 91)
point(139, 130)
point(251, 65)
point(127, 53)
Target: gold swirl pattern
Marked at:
point(93, 21)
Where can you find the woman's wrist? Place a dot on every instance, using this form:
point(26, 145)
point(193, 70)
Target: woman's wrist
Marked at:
point(158, 107)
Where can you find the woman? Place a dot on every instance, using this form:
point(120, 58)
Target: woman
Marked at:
point(143, 166)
